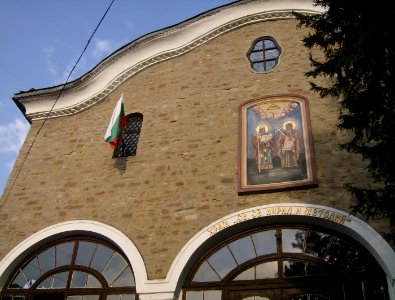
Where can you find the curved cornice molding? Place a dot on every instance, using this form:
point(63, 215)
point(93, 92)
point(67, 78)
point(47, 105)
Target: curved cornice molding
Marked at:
point(151, 49)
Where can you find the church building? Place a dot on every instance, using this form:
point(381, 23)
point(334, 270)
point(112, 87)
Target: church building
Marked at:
point(226, 182)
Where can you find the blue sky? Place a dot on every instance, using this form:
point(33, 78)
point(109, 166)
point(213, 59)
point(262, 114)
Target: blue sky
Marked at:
point(42, 39)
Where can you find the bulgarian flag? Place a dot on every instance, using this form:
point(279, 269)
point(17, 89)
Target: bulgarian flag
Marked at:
point(118, 121)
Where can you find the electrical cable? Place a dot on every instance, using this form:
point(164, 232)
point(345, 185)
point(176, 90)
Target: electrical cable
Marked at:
point(9, 189)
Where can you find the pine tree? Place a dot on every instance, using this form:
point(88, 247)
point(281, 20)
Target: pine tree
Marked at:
point(357, 40)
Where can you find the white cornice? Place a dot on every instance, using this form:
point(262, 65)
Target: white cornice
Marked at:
point(152, 49)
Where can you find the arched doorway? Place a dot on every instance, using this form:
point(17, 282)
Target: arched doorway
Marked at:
point(289, 262)
point(75, 268)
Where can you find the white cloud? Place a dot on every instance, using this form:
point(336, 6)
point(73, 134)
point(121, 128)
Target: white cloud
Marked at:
point(48, 53)
point(102, 48)
point(12, 135)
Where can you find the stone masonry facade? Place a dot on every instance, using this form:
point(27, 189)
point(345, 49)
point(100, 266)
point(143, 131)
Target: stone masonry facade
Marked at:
point(184, 175)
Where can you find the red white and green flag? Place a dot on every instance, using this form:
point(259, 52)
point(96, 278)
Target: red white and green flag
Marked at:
point(118, 121)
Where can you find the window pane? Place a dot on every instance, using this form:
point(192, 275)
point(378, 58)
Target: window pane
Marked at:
point(248, 274)
point(267, 270)
point(293, 240)
point(256, 56)
point(222, 261)
point(64, 253)
point(113, 297)
point(258, 45)
point(79, 279)
point(205, 273)
point(259, 67)
point(47, 259)
point(128, 296)
point(243, 249)
point(212, 295)
point(93, 282)
point(85, 253)
point(19, 281)
point(269, 44)
point(101, 257)
point(265, 242)
point(60, 280)
point(114, 268)
point(269, 64)
point(272, 54)
point(32, 269)
point(194, 295)
point(125, 279)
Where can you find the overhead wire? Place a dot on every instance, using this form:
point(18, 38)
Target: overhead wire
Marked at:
point(10, 187)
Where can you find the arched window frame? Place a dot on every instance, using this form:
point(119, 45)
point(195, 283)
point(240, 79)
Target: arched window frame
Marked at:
point(227, 284)
point(266, 57)
point(37, 291)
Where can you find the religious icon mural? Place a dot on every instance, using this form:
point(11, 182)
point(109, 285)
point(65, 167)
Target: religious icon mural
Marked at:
point(275, 149)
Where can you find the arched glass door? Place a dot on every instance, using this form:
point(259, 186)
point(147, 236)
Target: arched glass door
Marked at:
point(72, 269)
point(287, 263)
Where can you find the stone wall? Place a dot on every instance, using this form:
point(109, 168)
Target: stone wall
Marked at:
point(184, 175)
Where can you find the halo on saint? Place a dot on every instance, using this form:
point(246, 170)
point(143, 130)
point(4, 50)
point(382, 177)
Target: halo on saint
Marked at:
point(260, 126)
point(289, 122)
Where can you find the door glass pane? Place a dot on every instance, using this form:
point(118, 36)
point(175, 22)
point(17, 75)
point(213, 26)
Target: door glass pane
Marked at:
point(212, 295)
point(64, 253)
point(293, 240)
point(60, 280)
point(248, 274)
point(47, 283)
point(32, 269)
point(92, 282)
point(128, 297)
point(90, 297)
point(265, 242)
point(19, 281)
point(85, 253)
point(222, 261)
point(47, 259)
point(125, 279)
point(316, 243)
point(101, 257)
point(194, 295)
point(205, 273)
point(294, 268)
point(114, 268)
point(243, 249)
point(267, 270)
point(79, 279)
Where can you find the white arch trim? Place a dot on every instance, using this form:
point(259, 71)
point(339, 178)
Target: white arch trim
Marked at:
point(87, 227)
